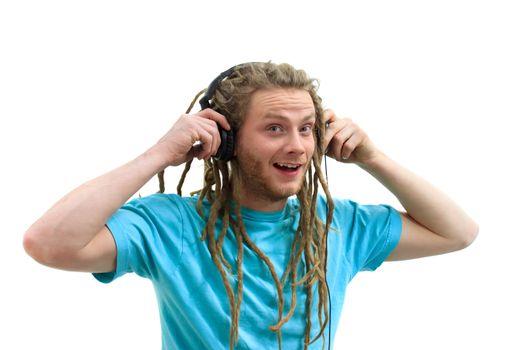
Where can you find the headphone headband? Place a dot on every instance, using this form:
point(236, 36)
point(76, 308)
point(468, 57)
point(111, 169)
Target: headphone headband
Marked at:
point(204, 101)
point(226, 150)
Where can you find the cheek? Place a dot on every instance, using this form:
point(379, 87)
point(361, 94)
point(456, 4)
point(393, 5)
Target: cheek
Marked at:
point(262, 149)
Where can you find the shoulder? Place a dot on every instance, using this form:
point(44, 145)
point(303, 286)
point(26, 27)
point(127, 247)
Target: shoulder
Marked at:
point(341, 207)
point(161, 212)
point(161, 202)
point(157, 199)
point(353, 217)
point(348, 207)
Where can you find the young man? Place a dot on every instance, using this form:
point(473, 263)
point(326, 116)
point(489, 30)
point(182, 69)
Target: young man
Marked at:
point(258, 258)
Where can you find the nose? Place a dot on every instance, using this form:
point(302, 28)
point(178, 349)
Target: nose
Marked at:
point(295, 143)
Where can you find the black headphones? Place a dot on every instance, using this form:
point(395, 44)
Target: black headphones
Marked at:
point(226, 149)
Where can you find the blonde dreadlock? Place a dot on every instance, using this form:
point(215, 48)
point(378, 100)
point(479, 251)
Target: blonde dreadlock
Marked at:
point(222, 187)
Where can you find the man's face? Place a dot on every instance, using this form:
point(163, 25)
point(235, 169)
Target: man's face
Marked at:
point(274, 146)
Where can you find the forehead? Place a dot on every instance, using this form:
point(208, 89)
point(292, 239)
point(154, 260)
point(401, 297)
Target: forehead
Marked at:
point(280, 102)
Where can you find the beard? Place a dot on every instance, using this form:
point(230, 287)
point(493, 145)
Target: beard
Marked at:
point(256, 183)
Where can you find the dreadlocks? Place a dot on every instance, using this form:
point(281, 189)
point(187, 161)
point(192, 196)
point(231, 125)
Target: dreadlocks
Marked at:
point(222, 181)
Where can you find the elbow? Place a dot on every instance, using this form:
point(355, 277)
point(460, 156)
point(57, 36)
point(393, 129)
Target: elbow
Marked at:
point(46, 249)
point(469, 236)
point(33, 245)
point(38, 249)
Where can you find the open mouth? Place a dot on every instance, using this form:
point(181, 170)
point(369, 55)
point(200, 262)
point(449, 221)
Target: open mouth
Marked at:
point(288, 167)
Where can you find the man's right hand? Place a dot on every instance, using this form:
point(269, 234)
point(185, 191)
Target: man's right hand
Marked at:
point(192, 136)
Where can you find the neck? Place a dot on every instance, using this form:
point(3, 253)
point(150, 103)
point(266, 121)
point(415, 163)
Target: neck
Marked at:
point(261, 204)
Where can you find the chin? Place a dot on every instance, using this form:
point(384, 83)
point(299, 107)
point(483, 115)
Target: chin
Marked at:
point(282, 192)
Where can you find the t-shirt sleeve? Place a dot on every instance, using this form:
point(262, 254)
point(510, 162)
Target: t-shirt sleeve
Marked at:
point(145, 230)
point(372, 232)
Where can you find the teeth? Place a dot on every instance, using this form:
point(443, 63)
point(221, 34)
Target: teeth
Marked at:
point(289, 166)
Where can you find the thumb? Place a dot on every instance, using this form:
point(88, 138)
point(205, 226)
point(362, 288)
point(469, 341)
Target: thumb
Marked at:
point(328, 118)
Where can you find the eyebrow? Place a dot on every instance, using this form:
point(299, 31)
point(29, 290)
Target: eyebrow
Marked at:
point(279, 116)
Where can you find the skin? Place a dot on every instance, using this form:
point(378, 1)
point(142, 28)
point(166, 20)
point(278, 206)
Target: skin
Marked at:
point(432, 223)
point(276, 130)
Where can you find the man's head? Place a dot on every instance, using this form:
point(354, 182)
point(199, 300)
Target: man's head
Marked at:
point(276, 115)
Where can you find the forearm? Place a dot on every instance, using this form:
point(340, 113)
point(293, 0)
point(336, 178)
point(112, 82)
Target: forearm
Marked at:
point(426, 204)
point(75, 219)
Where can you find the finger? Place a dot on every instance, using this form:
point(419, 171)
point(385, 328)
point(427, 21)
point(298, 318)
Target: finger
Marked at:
point(347, 138)
point(212, 129)
point(208, 113)
point(206, 148)
point(335, 126)
point(341, 123)
point(328, 116)
point(345, 133)
point(350, 145)
point(201, 139)
point(330, 130)
point(337, 134)
point(193, 152)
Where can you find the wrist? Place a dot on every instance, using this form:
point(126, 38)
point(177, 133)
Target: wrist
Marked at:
point(375, 162)
point(155, 159)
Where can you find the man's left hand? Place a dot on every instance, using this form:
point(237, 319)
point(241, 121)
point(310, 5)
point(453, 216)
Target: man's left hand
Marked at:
point(346, 142)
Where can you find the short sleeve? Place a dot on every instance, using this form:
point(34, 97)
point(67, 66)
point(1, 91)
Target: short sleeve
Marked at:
point(384, 234)
point(148, 234)
point(370, 233)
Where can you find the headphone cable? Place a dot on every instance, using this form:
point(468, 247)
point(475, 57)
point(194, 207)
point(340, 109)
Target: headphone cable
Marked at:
point(326, 279)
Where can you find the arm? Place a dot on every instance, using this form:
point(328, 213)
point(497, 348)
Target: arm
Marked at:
point(72, 234)
point(433, 223)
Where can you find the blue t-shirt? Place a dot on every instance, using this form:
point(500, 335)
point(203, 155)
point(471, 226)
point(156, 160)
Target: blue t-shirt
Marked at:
point(158, 237)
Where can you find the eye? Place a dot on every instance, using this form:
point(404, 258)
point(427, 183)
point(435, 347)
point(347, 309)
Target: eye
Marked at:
point(275, 128)
point(306, 129)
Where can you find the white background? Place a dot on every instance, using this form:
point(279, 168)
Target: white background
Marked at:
point(86, 86)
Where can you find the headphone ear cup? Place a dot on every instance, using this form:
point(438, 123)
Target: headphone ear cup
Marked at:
point(226, 149)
